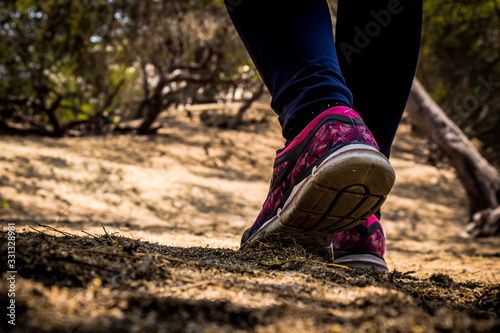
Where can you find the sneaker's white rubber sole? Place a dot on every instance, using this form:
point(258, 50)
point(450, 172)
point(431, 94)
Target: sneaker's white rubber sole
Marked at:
point(345, 189)
point(362, 261)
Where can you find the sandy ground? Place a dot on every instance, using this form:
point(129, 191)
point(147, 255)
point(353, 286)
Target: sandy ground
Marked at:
point(195, 186)
point(174, 206)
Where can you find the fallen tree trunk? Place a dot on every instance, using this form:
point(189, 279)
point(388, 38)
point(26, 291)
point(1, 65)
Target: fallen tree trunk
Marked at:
point(479, 178)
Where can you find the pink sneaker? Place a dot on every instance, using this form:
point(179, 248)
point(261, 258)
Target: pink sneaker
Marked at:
point(362, 246)
point(330, 178)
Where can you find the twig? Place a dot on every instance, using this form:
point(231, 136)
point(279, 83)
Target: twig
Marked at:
point(95, 237)
point(193, 285)
point(328, 264)
point(172, 259)
point(54, 229)
point(471, 273)
point(489, 268)
point(305, 261)
point(105, 231)
point(64, 212)
point(37, 230)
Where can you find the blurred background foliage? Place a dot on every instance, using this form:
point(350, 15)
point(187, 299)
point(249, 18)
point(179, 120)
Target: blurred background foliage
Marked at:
point(70, 66)
point(460, 67)
point(82, 67)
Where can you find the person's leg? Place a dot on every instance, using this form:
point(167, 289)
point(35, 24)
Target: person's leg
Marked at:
point(292, 46)
point(331, 175)
point(378, 42)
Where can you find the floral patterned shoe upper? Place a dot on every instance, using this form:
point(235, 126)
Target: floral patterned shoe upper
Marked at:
point(330, 178)
point(362, 246)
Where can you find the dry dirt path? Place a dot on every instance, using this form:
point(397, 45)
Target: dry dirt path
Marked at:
point(192, 190)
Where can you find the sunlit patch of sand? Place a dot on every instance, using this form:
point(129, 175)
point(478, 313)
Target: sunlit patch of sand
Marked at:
point(197, 186)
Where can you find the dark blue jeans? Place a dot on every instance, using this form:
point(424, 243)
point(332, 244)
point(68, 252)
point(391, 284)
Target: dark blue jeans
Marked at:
point(370, 66)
